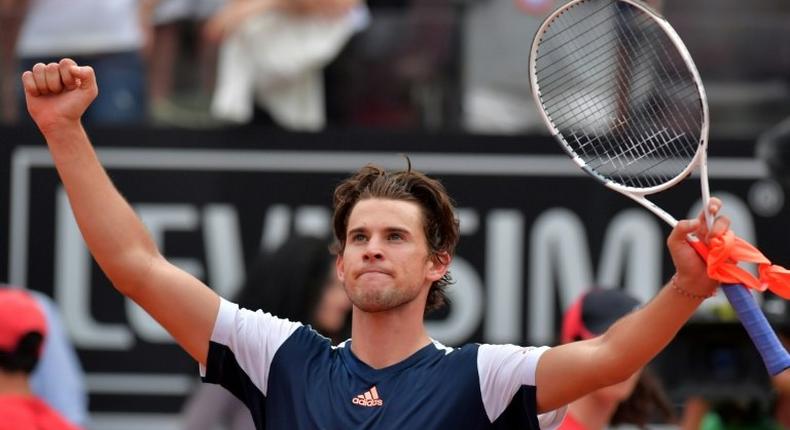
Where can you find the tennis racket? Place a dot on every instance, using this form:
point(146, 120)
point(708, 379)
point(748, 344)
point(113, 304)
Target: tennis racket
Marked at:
point(621, 94)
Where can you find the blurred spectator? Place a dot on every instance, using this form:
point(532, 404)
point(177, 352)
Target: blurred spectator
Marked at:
point(700, 414)
point(11, 17)
point(177, 30)
point(58, 379)
point(498, 38)
point(272, 57)
point(412, 46)
point(23, 328)
point(636, 401)
point(297, 282)
point(107, 35)
point(734, 412)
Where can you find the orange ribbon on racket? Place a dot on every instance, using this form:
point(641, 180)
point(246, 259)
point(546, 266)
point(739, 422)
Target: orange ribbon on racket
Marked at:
point(724, 253)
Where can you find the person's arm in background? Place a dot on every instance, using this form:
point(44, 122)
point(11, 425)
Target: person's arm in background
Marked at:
point(569, 371)
point(146, 16)
point(57, 95)
point(12, 15)
point(58, 378)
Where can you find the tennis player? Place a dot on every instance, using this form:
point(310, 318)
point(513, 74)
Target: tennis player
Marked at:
point(396, 234)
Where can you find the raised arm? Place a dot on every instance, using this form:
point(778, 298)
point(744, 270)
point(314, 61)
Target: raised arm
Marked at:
point(570, 371)
point(57, 95)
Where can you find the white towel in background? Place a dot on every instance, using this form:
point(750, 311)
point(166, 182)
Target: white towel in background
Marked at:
point(276, 59)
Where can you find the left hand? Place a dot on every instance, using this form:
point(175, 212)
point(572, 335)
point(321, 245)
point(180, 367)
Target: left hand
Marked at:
point(691, 268)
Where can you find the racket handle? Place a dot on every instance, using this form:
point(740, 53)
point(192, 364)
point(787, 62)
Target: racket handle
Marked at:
point(774, 354)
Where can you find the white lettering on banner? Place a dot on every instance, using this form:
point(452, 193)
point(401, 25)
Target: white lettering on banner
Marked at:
point(308, 221)
point(557, 245)
point(313, 221)
point(633, 246)
point(504, 268)
point(631, 255)
point(224, 254)
point(275, 227)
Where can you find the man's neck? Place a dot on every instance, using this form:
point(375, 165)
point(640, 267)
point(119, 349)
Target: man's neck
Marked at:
point(381, 339)
point(14, 383)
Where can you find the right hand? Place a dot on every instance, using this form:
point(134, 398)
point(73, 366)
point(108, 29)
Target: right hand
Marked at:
point(692, 271)
point(57, 94)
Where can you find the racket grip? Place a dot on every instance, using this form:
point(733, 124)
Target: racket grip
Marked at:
point(774, 354)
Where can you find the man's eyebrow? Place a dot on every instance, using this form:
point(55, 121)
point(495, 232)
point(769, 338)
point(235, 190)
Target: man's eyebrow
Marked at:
point(357, 230)
point(392, 229)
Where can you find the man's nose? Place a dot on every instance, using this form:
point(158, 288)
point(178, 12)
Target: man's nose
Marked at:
point(373, 250)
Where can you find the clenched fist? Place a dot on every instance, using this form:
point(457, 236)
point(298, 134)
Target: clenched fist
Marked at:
point(58, 94)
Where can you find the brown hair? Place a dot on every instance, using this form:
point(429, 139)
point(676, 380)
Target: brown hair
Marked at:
point(648, 402)
point(439, 222)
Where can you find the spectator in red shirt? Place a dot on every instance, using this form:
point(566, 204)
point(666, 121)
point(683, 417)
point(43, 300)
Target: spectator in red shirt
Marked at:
point(22, 330)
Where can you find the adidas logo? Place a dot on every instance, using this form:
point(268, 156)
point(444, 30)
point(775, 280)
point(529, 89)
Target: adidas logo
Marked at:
point(369, 398)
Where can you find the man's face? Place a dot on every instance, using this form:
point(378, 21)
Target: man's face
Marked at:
point(386, 262)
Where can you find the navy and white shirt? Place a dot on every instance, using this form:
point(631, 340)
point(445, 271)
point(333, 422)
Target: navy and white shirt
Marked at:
point(293, 378)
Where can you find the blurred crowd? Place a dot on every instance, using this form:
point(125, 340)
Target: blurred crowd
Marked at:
point(306, 65)
point(309, 64)
point(191, 63)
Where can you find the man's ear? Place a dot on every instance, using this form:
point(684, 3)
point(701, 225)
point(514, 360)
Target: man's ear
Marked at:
point(339, 265)
point(439, 265)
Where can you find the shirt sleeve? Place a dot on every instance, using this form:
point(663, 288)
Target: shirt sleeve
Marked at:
point(503, 370)
point(252, 338)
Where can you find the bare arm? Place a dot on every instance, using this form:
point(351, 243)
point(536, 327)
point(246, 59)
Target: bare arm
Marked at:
point(57, 95)
point(573, 370)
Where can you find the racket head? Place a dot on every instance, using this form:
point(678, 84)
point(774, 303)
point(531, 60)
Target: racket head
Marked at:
point(619, 91)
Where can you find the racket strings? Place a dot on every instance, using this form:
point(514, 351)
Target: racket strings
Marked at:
point(671, 145)
point(560, 60)
point(633, 148)
point(623, 124)
point(547, 38)
point(593, 92)
point(636, 77)
point(645, 84)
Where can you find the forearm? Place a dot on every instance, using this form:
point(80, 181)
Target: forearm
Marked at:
point(613, 357)
point(114, 234)
point(636, 339)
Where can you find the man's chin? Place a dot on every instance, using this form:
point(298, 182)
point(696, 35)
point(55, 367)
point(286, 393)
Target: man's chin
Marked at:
point(373, 302)
point(372, 308)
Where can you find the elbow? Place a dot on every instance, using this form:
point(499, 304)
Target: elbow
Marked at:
point(128, 273)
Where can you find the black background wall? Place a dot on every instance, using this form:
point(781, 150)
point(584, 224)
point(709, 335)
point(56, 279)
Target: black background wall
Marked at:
point(536, 232)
